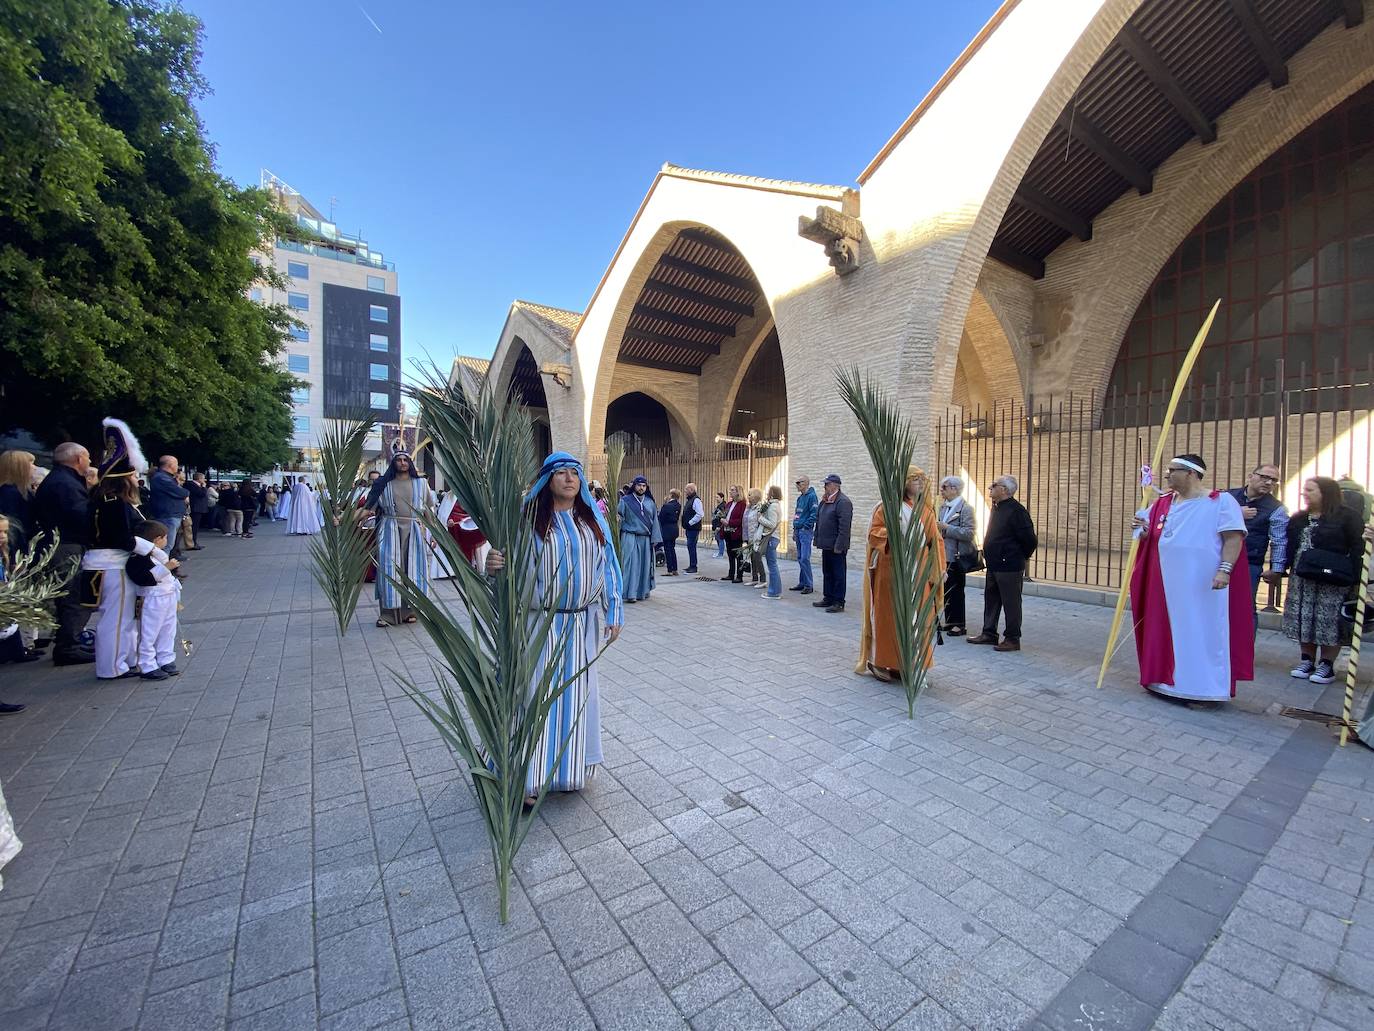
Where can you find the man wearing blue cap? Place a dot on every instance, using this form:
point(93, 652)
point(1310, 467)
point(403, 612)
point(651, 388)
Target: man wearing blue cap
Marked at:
point(833, 521)
point(639, 532)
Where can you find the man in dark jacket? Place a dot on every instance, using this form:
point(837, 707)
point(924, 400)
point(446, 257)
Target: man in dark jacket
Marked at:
point(833, 521)
point(200, 504)
point(668, 517)
point(61, 505)
point(168, 500)
point(1009, 543)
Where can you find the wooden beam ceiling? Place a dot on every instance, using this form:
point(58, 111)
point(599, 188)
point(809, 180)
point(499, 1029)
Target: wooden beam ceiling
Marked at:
point(723, 278)
point(1033, 267)
point(1261, 42)
point(682, 293)
point(669, 341)
point(1050, 209)
point(1153, 65)
point(686, 321)
point(648, 363)
point(706, 239)
point(1088, 134)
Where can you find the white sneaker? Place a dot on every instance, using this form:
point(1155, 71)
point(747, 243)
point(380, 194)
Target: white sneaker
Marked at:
point(1324, 674)
point(1304, 669)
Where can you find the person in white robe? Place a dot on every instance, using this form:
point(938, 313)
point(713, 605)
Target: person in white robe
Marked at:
point(304, 517)
point(1193, 626)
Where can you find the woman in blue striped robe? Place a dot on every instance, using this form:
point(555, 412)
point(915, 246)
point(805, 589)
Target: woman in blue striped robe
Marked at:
point(399, 498)
point(576, 575)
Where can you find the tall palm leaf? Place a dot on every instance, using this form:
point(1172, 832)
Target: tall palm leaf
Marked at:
point(496, 660)
point(342, 550)
point(615, 461)
point(891, 442)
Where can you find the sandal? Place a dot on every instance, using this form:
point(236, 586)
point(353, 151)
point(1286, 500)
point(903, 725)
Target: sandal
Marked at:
point(408, 619)
point(879, 673)
point(383, 623)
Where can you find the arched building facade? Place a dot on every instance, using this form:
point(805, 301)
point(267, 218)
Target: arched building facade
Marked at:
point(1153, 155)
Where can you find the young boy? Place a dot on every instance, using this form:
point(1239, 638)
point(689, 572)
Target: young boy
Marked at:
point(160, 591)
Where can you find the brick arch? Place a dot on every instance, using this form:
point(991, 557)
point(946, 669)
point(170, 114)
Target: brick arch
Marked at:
point(998, 363)
point(679, 427)
point(1092, 289)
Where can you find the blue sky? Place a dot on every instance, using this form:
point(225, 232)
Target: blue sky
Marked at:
point(497, 151)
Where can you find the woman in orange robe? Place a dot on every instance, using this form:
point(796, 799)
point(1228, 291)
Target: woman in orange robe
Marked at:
point(879, 654)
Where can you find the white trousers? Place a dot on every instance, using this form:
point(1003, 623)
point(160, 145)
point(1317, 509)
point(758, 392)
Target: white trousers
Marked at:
point(157, 632)
point(116, 633)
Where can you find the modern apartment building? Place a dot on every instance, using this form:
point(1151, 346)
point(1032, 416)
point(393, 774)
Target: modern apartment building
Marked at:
point(347, 348)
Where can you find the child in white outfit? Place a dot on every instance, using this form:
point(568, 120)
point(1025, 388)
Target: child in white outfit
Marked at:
point(160, 591)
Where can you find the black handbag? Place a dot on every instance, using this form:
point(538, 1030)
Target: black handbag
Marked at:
point(1326, 567)
point(970, 563)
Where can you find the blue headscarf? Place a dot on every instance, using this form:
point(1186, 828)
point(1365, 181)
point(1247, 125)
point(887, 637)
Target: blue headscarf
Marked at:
point(563, 460)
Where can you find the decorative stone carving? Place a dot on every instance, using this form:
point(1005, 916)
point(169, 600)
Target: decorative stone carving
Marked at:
point(838, 233)
point(560, 374)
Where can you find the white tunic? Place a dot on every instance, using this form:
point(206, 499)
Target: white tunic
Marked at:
point(305, 511)
point(1199, 619)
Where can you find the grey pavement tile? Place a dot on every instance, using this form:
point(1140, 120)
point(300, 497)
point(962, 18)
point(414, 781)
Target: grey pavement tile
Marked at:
point(813, 1007)
point(1148, 971)
point(635, 1004)
point(100, 996)
point(355, 966)
point(1175, 924)
point(767, 893)
point(767, 963)
point(382, 1011)
point(1090, 1001)
point(928, 1015)
point(739, 1011)
point(274, 946)
point(581, 927)
point(445, 985)
point(608, 970)
point(526, 1003)
point(705, 989)
point(863, 977)
point(673, 949)
point(202, 1006)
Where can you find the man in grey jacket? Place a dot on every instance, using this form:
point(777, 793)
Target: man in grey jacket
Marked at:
point(956, 526)
point(833, 522)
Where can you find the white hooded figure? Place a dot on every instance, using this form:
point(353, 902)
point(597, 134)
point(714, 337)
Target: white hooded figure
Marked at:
point(305, 511)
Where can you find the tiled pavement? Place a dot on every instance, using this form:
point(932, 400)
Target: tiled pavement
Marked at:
point(276, 839)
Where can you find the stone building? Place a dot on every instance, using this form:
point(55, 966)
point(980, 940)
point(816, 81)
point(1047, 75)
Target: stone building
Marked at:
point(1053, 219)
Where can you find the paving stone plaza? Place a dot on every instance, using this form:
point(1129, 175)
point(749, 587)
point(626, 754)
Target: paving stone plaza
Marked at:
point(277, 839)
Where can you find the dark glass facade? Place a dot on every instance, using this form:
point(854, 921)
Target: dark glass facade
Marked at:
point(349, 356)
point(1290, 251)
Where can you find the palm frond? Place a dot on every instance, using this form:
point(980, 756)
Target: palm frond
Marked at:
point(891, 442)
point(497, 661)
point(615, 461)
point(33, 584)
point(341, 551)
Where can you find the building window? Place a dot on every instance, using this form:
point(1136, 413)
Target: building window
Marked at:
point(298, 363)
point(376, 284)
point(298, 270)
point(300, 333)
point(378, 372)
point(380, 342)
point(300, 302)
point(380, 400)
point(301, 423)
point(379, 313)
point(255, 294)
point(300, 396)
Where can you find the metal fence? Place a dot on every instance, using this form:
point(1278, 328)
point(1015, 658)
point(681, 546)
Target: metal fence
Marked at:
point(1078, 459)
point(718, 469)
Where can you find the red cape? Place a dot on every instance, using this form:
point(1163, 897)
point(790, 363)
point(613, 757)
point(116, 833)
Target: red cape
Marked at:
point(464, 532)
point(1154, 643)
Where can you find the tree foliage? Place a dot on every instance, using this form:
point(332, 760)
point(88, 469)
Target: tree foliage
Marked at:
point(125, 258)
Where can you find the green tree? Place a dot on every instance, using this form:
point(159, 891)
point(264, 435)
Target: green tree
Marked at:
point(125, 258)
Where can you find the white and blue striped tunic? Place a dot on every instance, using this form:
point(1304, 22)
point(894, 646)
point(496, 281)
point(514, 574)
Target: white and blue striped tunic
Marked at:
point(579, 577)
point(401, 539)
